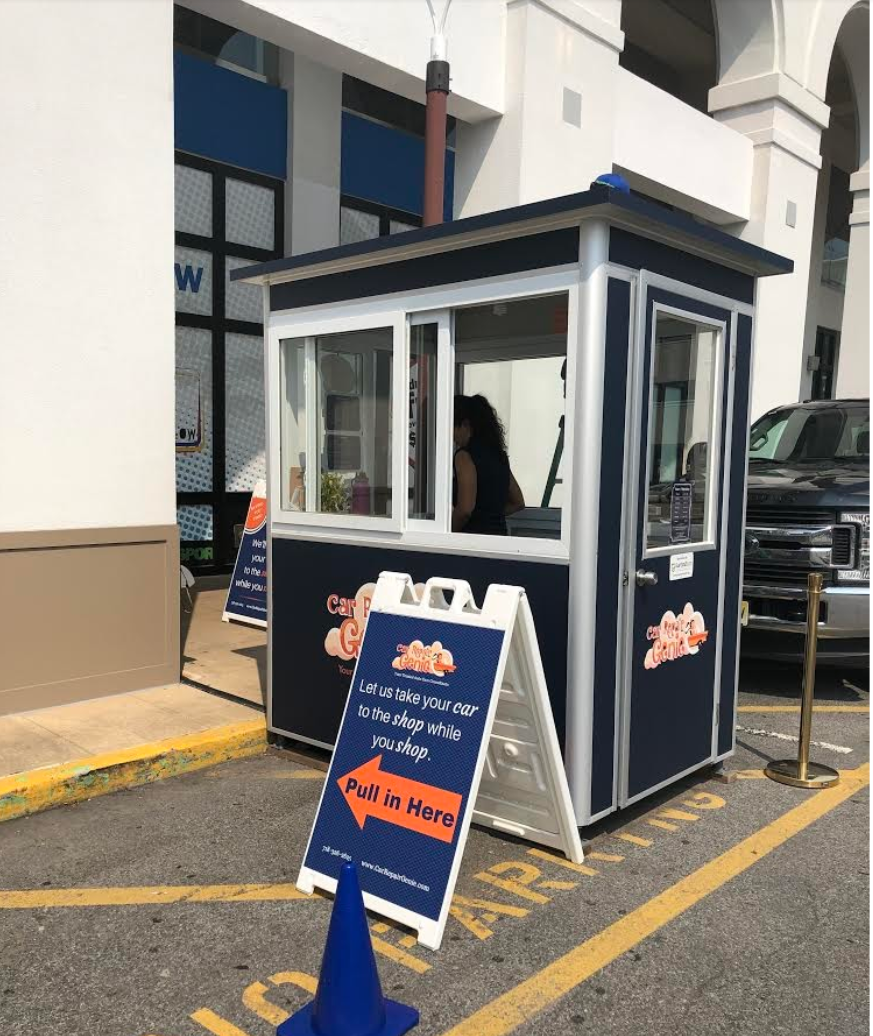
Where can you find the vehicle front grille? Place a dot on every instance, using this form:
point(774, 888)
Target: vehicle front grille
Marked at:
point(767, 514)
point(789, 558)
point(766, 574)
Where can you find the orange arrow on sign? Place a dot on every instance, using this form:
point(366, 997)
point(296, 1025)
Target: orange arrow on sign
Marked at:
point(373, 792)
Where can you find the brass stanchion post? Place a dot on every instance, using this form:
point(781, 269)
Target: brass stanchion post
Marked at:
point(800, 772)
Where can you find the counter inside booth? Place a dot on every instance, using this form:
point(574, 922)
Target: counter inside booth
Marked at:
point(612, 338)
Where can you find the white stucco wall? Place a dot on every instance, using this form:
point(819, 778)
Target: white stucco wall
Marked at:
point(386, 42)
point(670, 150)
point(534, 151)
point(86, 293)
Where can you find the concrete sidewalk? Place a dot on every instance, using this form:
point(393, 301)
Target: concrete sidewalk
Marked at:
point(72, 752)
point(226, 656)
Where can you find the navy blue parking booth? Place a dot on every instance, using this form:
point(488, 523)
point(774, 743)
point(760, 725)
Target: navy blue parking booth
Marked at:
point(613, 339)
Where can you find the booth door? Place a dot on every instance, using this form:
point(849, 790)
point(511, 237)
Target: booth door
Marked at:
point(674, 546)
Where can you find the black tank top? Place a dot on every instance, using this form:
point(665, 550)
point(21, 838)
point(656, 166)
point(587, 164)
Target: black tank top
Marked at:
point(492, 490)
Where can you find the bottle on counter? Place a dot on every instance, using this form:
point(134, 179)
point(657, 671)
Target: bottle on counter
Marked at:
point(361, 494)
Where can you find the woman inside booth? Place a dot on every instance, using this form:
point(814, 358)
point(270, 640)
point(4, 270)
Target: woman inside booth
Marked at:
point(484, 490)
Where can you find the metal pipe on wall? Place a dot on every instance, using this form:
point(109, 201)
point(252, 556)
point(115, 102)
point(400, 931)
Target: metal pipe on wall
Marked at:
point(437, 92)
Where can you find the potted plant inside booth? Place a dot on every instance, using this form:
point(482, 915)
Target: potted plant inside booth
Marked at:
point(334, 493)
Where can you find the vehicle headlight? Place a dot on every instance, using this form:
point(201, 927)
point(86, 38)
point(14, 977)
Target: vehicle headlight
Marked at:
point(861, 574)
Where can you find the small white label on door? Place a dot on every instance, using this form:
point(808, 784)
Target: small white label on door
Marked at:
point(681, 566)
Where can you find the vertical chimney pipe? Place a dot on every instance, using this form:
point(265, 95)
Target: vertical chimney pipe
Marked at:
point(437, 87)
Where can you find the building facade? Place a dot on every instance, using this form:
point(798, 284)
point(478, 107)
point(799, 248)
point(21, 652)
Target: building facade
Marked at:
point(226, 132)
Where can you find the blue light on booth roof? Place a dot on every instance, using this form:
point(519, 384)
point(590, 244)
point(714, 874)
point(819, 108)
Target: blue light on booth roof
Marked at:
point(615, 181)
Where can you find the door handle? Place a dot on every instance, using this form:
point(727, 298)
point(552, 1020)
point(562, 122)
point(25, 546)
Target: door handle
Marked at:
point(645, 578)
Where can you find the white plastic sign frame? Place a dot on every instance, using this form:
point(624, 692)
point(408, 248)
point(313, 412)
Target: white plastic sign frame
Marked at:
point(505, 608)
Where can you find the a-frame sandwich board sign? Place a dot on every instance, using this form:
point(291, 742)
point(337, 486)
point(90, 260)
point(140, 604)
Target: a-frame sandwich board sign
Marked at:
point(418, 743)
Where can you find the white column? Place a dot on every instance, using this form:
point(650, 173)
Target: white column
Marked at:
point(312, 190)
point(86, 298)
point(556, 135)
point(853, 365)
point(784, 122)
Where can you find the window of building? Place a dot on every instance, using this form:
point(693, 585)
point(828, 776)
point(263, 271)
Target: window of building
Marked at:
point(389, 108)
point(224, 45)
point(827, 347)
point(835, 257)
point(384, 167)
point(225, 218)
point(363, 220)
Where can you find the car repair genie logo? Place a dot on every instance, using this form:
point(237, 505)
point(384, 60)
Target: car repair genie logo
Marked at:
point(344, 641)
point(424, 658)
point(675, 636)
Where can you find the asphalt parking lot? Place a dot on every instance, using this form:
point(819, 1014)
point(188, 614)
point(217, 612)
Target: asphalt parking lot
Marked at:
point(736, 906)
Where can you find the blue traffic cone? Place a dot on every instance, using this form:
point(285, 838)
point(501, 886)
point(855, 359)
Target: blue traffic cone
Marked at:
point(349, 1001)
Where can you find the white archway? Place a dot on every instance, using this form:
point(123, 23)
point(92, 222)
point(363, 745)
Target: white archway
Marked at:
point(749, 34)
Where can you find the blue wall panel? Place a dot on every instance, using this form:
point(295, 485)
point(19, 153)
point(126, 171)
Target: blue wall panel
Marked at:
point(230, 118)
point(386, 166)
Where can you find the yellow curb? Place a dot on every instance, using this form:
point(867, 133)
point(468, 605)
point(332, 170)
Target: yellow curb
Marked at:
point(35, 790)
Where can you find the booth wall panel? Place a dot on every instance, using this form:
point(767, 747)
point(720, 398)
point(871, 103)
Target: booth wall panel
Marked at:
point(609, 544)
point(310, 671)
point(87, 613)
point(736, 522)
point(641, 253)
point(534, 252)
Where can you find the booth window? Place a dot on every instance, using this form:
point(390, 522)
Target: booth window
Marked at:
point(335, 423)
point(682, 423)
point(514, 353)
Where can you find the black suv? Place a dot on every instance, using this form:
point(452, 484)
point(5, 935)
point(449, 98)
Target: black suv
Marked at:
point(808, 510)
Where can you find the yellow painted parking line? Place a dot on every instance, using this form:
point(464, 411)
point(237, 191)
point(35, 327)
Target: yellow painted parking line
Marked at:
point(747, 775)
point(541, 990)
point(388, 949)
point(678, 814)
point(796, 708)
point(216, 1024)
point(28, 899)
point(663, 825)
point(635, 840)
point(562, 861)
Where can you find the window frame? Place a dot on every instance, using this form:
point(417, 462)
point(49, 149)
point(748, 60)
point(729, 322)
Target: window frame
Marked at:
point(308, 332)
point(429, 305)
point(719, 327)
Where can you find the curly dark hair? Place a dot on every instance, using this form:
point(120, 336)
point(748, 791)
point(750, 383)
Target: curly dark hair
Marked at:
point(485, 426)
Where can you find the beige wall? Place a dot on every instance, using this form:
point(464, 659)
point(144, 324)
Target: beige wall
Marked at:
point(86, 613)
